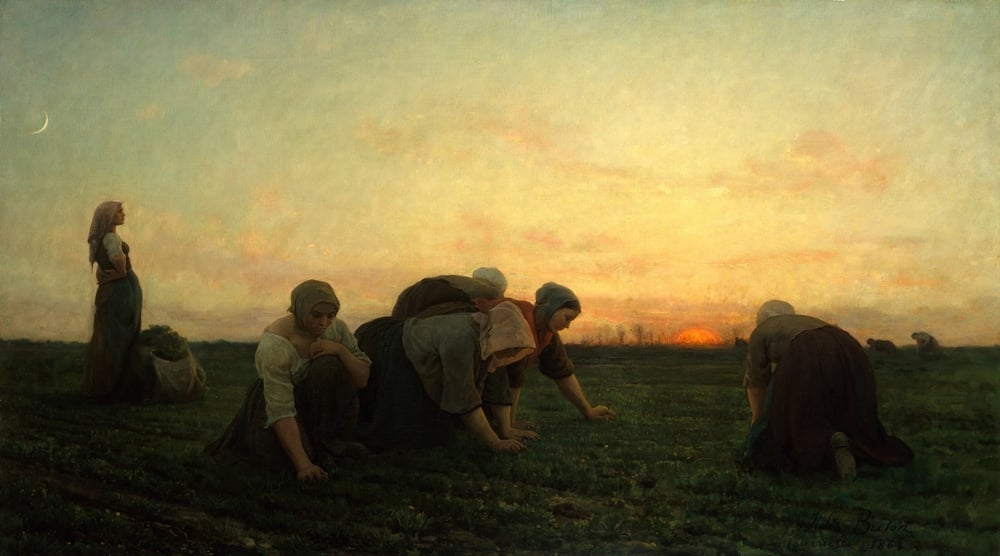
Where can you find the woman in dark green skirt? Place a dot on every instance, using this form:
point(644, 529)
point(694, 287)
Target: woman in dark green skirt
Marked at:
point(301, 411)
point(111, 371)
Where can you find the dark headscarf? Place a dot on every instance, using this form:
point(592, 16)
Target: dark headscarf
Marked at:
point(551, 297)
point(306, 295)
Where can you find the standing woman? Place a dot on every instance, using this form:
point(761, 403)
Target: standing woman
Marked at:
point(301, 412)
point(111, 369)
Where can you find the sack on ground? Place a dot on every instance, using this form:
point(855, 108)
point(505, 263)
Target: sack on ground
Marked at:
point(173, 373)
point(174, 381)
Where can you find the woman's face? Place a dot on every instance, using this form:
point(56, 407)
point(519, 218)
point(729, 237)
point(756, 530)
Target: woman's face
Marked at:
point(119, 217)
point(562, 318)
point(319, 318)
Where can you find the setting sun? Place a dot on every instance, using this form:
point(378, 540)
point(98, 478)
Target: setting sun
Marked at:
point(698, 337)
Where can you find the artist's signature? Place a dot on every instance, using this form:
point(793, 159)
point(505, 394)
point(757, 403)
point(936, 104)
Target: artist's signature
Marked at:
point(858, 529)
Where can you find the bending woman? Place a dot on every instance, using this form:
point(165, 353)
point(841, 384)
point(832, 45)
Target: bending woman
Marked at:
point(111, 370)
point(302, 409)
point(438, 372)
point(817, 409)
point(555, 308)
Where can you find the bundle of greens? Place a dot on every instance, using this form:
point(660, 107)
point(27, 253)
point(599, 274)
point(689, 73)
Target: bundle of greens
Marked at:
point(164, 342)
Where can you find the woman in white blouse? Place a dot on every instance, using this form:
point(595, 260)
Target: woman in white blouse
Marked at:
point(303, 407)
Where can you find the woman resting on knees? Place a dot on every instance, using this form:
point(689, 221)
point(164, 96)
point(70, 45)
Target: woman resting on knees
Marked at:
point(817, 409)
point(437, 372)
point(303, 407)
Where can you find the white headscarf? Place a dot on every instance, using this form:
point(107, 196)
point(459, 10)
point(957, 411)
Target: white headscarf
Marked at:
point(493, 276)
point(774, 308)
point(102, 223)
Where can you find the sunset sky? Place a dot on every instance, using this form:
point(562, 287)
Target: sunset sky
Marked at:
point(675, 163)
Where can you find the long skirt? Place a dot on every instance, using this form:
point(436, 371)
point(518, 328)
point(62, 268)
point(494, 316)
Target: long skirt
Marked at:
point(326, 405)
point(111, 370)
point(825, 384)
point(399, 414)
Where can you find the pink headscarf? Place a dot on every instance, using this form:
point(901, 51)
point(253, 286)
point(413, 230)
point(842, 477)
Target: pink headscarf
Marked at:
point(102, 223)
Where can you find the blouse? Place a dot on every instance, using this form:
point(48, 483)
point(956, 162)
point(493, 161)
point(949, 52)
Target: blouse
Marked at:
point(278, 364)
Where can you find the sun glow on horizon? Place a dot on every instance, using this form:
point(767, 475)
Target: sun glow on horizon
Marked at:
point(698, 336)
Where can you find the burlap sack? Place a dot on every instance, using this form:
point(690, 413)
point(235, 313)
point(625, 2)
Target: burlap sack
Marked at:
point(174, 381)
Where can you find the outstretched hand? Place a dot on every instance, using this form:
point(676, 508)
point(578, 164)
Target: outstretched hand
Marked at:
point(312, 472)
point(600, 413)
point(507, 445)
point(522, 434)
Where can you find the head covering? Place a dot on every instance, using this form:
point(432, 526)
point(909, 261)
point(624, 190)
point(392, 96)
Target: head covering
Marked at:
point(774, 308)
point(551, 297)
point(493, 276)
point(306, 295)
point(102, 223)
point(505, 329)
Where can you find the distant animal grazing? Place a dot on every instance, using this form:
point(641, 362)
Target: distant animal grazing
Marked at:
point(926, 344)
point(884, 346)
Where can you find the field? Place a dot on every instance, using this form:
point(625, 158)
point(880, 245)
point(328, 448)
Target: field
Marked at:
point(80, 478)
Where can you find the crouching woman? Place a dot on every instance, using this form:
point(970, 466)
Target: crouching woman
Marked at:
point(302, 409)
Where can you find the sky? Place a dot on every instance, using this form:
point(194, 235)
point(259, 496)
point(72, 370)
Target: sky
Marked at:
point(675, 163)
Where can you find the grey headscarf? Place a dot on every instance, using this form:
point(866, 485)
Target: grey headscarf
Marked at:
point(102, 223)
point(306, 295)
point(551, 297)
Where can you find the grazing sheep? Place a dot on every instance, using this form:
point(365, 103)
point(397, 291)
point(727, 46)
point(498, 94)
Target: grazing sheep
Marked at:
point(884, 346)
point(926, 344)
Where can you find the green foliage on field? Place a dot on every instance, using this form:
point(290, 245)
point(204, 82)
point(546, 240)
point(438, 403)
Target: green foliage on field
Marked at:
point(164, 342)
point(83, 478)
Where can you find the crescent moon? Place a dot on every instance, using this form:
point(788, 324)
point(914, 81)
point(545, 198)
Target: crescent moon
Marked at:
point(44, 125)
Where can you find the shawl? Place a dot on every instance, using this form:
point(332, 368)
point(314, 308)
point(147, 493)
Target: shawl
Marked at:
point(506, 329)
point(100, 224)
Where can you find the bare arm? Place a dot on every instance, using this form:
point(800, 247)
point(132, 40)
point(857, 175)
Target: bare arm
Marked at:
point(573, 392)
point(112, 274)
point(290, 437)
point(358, 369)
point(477, 424)
point(502, 415)
point(756, 395)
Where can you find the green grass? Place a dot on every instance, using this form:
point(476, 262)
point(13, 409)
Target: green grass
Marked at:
point(81, 478)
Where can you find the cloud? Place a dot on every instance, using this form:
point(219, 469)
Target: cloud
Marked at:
point(212, 71)
point(150, 112)
point(798, 257)
point(813, 160)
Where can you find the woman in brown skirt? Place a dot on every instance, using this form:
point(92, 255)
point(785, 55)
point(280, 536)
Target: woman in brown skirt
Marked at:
point(812, 398)
point(302, 409)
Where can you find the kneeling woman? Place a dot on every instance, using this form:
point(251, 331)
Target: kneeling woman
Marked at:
point(817, 409)
point(303, 407)
point(437, 372)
